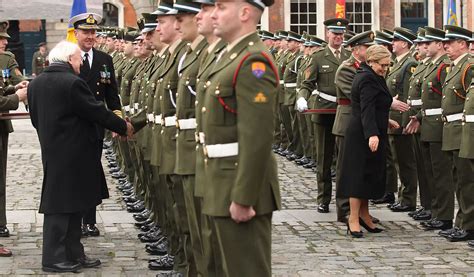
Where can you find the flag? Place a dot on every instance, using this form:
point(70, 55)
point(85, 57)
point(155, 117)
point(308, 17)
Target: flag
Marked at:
point(452, 17)
point(340, 8)
point(78, 7)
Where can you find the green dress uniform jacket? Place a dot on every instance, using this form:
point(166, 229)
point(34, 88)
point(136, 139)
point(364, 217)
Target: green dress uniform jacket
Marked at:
point(344, 77)
point(282, 63)
point(8, 101)
point(431, 128)
point(454, 95)
point(414, 91)
point(167, 87)
point(126, 84)
point(242, 88)
point(207, 64)
point(186, 111)
point(467, 139)
point(289, 78)
point(39, 62)
point(7, 61)
point(398, 82)
point(319, 79)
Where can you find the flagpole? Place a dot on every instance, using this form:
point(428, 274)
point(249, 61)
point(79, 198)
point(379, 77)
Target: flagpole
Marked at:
point(461, 19)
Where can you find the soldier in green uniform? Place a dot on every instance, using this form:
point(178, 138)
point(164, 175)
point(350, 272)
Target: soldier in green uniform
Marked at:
point(415, 102)
point(343, 80)
point(242, 188)
point(293, 60)
point(436, 161)
point(319, 80)
point(39, 60)
point(454, 98)
point(8, 64)
point(204, 22)
point(401, 144)
point(306, 99)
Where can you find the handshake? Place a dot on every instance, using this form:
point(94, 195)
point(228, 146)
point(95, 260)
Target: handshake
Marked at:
point(21, 91)
point(130, 131)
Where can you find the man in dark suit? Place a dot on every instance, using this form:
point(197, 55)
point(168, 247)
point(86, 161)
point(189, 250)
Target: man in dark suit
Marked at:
point(66, 114)
point(98, 71)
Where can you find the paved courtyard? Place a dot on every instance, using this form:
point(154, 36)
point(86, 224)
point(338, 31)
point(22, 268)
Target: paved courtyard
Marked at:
point(305, 243)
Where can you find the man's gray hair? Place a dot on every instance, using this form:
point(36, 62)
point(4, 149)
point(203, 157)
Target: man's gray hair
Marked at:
point(62, 51)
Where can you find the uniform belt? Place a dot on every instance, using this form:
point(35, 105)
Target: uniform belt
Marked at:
point(150, 118)
point(468, 118)
point(127, 108)
point(414, 103)
point(201, 138)
point(325, 96)
point(221, 150)
point(158, 119)
point(453, 117)
point(290, 85)
point(430, 112)
point(344, 102)
point(135, 106)
point(170, 121)
point(132, 111)
point(187, 124)
point(282, 82)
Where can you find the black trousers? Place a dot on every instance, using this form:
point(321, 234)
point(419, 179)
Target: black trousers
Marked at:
point(62, 238)
point(89, 216)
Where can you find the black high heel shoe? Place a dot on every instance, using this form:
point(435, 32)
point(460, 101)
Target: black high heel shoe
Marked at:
point(370, 230)
point(354, 234)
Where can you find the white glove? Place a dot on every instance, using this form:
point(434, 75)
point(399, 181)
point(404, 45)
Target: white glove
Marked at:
point(301, 104)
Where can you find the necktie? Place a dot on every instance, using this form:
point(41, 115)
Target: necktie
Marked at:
point(337, 54)
point(86, 67)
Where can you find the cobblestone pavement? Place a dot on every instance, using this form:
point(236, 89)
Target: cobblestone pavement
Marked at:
point(305, 243)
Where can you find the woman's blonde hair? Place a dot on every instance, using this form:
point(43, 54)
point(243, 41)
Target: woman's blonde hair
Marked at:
point(376, 53)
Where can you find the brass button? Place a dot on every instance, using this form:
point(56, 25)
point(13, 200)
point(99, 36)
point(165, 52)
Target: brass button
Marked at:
point(205, 161)
point(217, 92)
point(195, 102)
point(203, 109)
point(98, 93)
point(98, 83)
point(162, 131)
point(208, 83)
point(161, 97)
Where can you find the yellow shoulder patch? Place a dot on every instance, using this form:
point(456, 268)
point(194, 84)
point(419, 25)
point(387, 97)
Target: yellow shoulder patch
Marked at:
point(260, 98)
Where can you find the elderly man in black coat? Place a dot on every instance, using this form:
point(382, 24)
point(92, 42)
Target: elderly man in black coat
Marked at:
point(65, 114)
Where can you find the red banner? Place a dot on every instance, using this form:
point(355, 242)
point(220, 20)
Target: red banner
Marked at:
point(340, 8)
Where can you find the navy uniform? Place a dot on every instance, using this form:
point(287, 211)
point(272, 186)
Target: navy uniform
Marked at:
point(319, 80)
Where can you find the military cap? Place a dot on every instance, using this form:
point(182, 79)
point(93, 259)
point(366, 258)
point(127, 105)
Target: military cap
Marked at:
point(41, 44)
point(455, 32)
point(315, 41)
point(266, 35)
point(336, 25)
point(86, 21)
point(400, 33)
point(283, 35)
point(165, 8)
point(3, 29)
point(294, 36)
point(434, 34)
point(420, 35)
point(130, 36)
point(261, 4)
point(388, 32)
point(205, 2)
point(111, 34)
point(382, 38)
point(347, 36)
point(365, 38)
point(187, 6)
point(149, 22)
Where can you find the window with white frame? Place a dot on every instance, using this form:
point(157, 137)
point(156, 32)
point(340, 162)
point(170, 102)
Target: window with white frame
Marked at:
point(359, 13)
point(303, 16)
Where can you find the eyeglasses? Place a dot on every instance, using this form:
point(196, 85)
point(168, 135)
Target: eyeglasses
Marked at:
point(385, 65)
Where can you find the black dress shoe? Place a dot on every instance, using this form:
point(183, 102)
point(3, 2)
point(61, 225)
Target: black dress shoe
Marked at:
point(462, 235)
point(92, 230)
point(4, 232)
point(163, 263)
point(136, 209)
point(294, 157)
point(323, 208)
point(84, 231)
point(63, 267)
point(354, 234)
point(160, 249)
point(118, 175)
point(448, 232)
point(470, 243)
point(417, 211)
point(423, 215)
point(388, 198)
point(112, 164)
point(310, 165)
point(114, 170)
point(157, 236)
point(370, 230)
point(302, 161)
point(375, 220)
point(87, 262)
point(402, 208)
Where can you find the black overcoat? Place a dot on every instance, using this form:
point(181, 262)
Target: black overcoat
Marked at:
point(65, 114)
point(363, 172)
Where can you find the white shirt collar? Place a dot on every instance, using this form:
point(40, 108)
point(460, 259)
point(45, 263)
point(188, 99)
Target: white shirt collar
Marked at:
point(90, 53)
